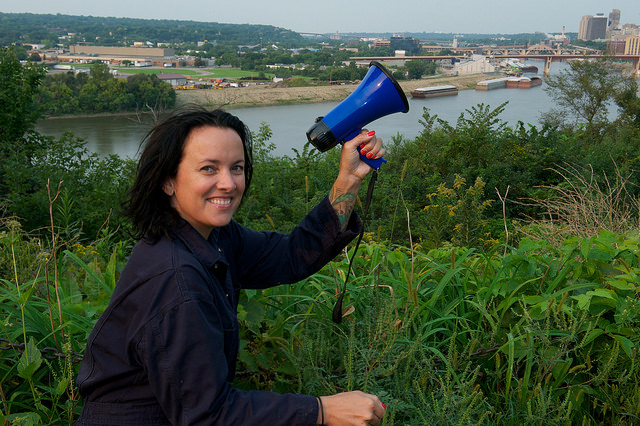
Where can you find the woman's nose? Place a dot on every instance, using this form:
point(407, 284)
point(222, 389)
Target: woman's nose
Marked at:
point(225, 180)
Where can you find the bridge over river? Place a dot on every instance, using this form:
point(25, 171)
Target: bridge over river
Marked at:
point(547, 56)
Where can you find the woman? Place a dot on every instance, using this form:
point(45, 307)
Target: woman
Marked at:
point(164, 351)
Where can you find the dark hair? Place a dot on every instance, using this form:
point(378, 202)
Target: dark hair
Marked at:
point(148, 206)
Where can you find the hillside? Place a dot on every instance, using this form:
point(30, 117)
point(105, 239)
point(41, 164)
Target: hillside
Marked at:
point(52, 29)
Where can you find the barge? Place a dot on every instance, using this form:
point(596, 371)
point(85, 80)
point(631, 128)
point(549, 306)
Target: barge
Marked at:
point(523, 82)
point(496, 83)
point(434, 91)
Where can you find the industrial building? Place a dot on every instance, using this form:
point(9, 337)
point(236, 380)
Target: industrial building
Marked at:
point(174, 80)
point(477, 64)
point(146, 56)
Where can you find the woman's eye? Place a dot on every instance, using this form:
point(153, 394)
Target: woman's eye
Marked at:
point(208, 169)
point(237, 168)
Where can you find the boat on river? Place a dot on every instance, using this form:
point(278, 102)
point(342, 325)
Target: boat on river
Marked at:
point(495, 83)
point(434, 91)
point(523, 82)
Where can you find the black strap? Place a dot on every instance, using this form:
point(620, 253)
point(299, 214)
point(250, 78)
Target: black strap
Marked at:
point(337, 309)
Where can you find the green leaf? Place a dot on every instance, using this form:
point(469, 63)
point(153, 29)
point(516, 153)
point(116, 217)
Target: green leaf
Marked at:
point(592, 335)
point(626, 344)
point(601, 255)
point(603, 292)
point(583, 301)
point(622, 285)
point(61, 387)
point(30, 360)
point(560, 371)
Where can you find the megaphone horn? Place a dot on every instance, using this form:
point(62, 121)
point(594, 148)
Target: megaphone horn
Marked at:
point(378, 94)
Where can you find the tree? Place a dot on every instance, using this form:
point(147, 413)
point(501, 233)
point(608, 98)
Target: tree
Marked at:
point(100, 72)
point(628, 101)
point(18, 111)
point(151, 93)
point(583, 93)
point(415, 69)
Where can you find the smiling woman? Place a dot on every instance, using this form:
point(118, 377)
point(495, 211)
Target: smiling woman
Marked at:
point(165, 349)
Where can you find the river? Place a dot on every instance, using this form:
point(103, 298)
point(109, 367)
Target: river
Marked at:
point(122, 134)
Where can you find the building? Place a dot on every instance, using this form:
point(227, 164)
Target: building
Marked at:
point(117, 55)
point(477, 64)
point(616, 47)
point(593, 27)
point(136, 52)
point(409, 44)
point(632, 46)
point(614, 19)
point(174, 80)
point(381, 43)
point(613, 27)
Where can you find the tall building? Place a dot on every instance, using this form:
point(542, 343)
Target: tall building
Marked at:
point(614, 19)
point(593, 27)
point(584, 26)
point(614, 23)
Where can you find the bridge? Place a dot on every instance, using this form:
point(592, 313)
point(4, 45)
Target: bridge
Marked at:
point(547, 56)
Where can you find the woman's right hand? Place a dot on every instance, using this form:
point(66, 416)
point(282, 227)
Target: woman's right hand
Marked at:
point(351, 408)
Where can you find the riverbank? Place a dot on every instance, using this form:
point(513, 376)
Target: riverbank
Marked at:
point(276, 95)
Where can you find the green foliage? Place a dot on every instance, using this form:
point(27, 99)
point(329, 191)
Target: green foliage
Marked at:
point(583, 92)
point(111, 31)
point(102, 92)
point(416, 69)
point(18, 112)
point(50, 302)
point(90, 188)
point(449, 336)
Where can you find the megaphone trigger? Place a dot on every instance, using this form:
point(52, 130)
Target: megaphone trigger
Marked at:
point(375, 163)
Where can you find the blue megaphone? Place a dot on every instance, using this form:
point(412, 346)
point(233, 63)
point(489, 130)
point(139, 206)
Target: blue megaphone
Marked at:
point(378, 94)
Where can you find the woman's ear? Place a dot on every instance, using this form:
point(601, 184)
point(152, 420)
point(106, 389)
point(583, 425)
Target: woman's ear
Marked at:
point(167, 187)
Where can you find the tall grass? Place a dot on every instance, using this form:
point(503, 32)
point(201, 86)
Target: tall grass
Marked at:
point(544, 332)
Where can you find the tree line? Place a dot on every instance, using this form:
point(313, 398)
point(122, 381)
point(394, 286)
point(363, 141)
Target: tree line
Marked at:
point(51, 30)
point(99, 91)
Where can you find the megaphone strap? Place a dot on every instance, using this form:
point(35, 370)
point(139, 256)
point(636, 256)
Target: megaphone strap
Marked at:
point(337, 308)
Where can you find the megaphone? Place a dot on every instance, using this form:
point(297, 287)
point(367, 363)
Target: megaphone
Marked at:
point(378, 94)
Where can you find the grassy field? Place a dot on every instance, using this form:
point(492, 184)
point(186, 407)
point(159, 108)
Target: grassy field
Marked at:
point(205, 73)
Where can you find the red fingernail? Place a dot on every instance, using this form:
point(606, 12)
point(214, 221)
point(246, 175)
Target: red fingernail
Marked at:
point(369, 154)
point(383, 406)
point(362, 145)
point(363, 151)
point(371, 133)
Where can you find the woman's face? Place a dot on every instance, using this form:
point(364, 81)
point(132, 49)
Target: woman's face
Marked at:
point(208, 187)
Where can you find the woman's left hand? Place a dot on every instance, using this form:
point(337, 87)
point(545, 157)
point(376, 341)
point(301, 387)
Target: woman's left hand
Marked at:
point(366, 143)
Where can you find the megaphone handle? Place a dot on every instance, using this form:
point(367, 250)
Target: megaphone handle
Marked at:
point(375, 163)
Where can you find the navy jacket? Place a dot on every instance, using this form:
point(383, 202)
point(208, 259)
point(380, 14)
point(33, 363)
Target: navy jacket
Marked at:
point(164, 351)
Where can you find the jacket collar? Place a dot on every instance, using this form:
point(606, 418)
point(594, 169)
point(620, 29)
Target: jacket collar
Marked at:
point(206, 251)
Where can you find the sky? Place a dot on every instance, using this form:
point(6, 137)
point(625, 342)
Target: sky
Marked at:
point(344, 16)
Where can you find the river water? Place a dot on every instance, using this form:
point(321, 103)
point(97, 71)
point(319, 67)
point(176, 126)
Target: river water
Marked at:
point(122, 134)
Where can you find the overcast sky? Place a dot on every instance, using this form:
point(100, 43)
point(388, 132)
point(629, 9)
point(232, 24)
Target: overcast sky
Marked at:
point(329, 16)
